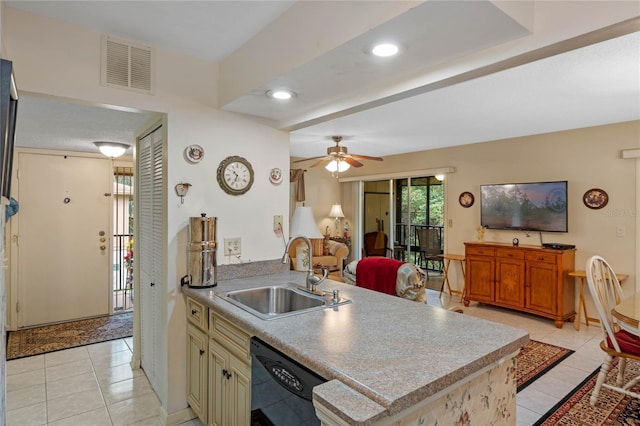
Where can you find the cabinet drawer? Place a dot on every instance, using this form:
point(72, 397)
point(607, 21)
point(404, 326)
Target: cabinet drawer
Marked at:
point(541, 257)
point(510, 253)
point(197, 313)
point(482, 251)
point(232, 337)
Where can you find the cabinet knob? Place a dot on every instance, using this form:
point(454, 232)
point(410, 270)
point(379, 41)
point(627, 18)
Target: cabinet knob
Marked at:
point(152, 284)
point(540, 257)
point(193, 312)
point(226, 374)
point(201, 352)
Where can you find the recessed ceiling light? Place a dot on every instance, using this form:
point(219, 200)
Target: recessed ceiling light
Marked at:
point(281, 94)
point(385, 49)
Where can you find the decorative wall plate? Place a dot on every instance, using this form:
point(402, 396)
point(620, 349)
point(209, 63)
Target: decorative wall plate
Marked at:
point(275, 176)
point(466, 199)
point(194, 153)
point(595, 198)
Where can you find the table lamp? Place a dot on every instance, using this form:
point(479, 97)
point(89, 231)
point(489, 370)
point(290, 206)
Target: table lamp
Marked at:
point(336, 211)
point(303, 224)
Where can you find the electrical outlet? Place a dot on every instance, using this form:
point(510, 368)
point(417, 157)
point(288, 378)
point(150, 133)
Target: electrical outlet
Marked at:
point(232, 246)
point(277, 224)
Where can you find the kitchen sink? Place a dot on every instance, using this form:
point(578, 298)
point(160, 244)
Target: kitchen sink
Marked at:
point(281, 300)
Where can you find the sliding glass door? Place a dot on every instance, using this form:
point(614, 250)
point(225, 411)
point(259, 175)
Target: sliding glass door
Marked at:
point(408, 215)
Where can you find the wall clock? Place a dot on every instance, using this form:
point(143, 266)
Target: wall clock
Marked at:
point(235, 175)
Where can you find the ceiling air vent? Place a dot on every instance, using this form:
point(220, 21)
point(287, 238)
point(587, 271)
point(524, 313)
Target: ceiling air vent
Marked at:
point(127, 65)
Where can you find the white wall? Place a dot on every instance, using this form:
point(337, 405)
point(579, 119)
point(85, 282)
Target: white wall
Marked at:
point(55, 58)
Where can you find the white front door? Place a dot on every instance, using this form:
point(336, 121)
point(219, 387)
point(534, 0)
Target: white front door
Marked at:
point(63, 237)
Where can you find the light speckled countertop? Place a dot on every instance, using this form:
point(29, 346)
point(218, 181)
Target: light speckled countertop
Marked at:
point(392, 351)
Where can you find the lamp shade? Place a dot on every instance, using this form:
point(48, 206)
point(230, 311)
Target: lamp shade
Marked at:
point(112, 149)
point(336, 211)
point(304, 224)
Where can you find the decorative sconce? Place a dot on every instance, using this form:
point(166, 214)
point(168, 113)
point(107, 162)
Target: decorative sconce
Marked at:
point(181, 190)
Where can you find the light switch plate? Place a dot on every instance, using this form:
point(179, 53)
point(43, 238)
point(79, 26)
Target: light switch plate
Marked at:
point(277, 224)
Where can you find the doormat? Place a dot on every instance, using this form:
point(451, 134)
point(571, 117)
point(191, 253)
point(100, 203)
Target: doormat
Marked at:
point(50, 338)
point(535, 359)
point(612, 408)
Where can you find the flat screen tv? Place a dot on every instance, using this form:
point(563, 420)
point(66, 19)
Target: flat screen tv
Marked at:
point(537, 206)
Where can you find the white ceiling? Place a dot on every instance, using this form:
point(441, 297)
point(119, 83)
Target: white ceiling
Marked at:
point(381, 107)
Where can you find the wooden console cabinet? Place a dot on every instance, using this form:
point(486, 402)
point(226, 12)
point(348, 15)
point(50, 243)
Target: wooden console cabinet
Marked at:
point(527, 278)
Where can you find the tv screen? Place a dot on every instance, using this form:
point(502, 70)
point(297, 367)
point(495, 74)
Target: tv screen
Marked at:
point(539, 206)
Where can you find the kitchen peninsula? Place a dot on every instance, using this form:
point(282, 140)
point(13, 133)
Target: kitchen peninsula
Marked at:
point(386, 359)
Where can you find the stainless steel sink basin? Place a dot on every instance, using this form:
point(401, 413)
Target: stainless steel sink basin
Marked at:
point(282, 300)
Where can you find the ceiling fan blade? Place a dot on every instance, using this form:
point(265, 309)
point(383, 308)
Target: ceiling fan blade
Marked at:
point(324, 160)
point(352, 162)
point(366, 157)
point(307, 159)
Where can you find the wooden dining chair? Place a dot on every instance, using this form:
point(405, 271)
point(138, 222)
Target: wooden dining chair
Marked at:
point(617, 343)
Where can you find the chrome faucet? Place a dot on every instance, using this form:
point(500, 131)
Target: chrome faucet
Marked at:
point(312, 281)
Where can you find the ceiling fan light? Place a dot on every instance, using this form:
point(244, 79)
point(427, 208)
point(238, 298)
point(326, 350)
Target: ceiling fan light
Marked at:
point(385, 50)
point(112, 149)
point(337, 166)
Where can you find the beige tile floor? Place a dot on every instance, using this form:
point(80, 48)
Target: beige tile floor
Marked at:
point(94, 385)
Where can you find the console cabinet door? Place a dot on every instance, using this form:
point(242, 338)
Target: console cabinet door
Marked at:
point(509, 289)
point(197, 371)
point(541, 290)
point(480, 278)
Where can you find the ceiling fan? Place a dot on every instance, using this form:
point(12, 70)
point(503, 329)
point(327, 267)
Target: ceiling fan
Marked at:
point(338, 159)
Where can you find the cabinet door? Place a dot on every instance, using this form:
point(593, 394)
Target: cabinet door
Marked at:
point(239, 392)
point(541, 290)
point(509, 288)
point(480, 273)
point(197, 371)
point(217, 400)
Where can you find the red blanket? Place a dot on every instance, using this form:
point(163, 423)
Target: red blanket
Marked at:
point(378, 273)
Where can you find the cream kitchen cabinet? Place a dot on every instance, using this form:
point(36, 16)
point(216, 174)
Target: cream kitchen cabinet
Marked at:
point(229, 363)
point(197, 367)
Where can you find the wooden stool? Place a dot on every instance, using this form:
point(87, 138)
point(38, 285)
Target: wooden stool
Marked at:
point(582, 307)
point(448, 257)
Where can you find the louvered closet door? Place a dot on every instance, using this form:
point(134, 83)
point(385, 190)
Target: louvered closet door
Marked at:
point(151, 242)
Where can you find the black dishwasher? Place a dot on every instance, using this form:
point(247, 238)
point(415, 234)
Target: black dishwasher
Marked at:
point(281, 388)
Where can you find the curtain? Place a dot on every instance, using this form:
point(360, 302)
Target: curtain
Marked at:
point(296, 176)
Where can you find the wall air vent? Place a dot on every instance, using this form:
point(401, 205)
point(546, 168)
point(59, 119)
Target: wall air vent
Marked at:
point(127, 65)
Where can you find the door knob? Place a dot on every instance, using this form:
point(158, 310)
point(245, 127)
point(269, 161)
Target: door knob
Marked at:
point(103, 247)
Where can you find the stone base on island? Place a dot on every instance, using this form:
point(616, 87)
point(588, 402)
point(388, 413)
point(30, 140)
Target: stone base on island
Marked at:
point(485, 397)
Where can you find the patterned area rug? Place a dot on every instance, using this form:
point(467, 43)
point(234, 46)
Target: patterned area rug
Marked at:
point(612, 408)
point(535, 359)
point(51, 338)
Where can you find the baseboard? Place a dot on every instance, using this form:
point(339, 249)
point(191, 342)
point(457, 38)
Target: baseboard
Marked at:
point(178, 417)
